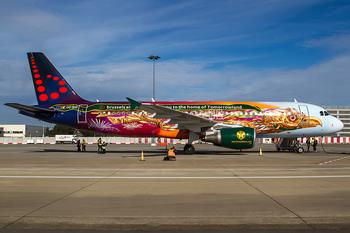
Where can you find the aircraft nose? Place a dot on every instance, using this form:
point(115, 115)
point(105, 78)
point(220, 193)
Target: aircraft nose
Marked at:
point(336, 124)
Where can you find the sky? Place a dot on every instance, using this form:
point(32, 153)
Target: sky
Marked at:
point(223, 50)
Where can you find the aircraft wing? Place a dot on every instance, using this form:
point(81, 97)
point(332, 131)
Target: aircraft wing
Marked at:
point(184, 120)
point(31, 109)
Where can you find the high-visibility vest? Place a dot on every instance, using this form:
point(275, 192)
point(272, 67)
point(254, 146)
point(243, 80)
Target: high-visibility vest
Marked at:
point(171, 153)
point(103, 146)
point(99, 142)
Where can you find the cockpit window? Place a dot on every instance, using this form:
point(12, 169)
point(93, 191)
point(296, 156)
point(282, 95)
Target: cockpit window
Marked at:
point(324, 113)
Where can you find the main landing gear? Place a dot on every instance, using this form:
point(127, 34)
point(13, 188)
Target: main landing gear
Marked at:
point(189, 149)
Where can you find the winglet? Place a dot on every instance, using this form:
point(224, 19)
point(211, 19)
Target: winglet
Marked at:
point(133, 103)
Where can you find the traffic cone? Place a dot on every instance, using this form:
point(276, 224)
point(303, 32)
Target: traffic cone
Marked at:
point(142, 158)
point(260, 152)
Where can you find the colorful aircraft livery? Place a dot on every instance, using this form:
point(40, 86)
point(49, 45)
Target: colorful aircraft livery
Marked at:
point(229, 124)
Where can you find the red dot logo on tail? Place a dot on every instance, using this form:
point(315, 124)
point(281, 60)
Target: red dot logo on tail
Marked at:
point(43, 97)
point(63, 90)
point(54, 95)
point(41, 89)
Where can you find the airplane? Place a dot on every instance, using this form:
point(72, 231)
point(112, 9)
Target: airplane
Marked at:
point(234, 125)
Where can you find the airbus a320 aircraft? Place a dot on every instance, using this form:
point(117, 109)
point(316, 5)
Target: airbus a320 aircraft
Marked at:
point(233, 125)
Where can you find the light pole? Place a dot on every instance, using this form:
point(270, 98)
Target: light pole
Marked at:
point(154, 58)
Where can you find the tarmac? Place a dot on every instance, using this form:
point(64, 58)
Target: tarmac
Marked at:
point(57, 188)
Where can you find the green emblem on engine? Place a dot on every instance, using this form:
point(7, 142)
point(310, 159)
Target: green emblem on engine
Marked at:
point(240, 135)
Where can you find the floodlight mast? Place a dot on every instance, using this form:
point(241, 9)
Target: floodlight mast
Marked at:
point(154, 58)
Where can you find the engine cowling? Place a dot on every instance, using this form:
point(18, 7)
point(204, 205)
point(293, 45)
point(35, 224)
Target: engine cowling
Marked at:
point(234, 138)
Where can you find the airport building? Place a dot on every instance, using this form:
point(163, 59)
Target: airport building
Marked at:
point(21, 131)
point(343, 114)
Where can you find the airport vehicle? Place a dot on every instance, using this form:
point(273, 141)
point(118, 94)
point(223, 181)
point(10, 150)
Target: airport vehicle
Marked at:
point(233, 125)
point(290, 144)
point(66, 139)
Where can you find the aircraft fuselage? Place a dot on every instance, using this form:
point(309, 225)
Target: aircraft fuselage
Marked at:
point(269, 119)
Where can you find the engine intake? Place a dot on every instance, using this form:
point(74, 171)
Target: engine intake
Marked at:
point(234, 138)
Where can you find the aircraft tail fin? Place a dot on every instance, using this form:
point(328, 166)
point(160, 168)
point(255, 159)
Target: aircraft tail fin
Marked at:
point(50, 86)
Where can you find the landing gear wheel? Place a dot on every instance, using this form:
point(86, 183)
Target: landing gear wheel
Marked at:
point(300, 150)
point(189, 149)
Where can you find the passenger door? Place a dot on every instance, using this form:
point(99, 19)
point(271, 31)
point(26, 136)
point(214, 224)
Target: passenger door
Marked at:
point(304, 114)
point(82, 113)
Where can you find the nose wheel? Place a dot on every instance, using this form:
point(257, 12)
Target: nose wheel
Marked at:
point(189, 149)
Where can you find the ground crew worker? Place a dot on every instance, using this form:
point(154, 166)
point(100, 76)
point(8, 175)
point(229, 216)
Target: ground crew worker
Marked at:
point(78, 145)
point(171, 155)
point(99, 144)
point(295, 144)
point(314, 144)
point(103, 148)
point(83, 145)
point(308, 144)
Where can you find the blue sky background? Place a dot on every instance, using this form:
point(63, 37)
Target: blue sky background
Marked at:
point(261, 50)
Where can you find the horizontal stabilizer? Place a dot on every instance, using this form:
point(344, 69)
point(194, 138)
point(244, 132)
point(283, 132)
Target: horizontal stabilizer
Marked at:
point(30, 109)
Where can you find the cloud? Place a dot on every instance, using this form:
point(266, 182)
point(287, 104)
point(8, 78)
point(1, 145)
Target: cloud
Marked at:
point(86, 31)
point(15, 80)
point(338, 43)
point(181, 80)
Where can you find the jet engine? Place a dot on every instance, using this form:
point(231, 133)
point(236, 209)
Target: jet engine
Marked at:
point(234, 138)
